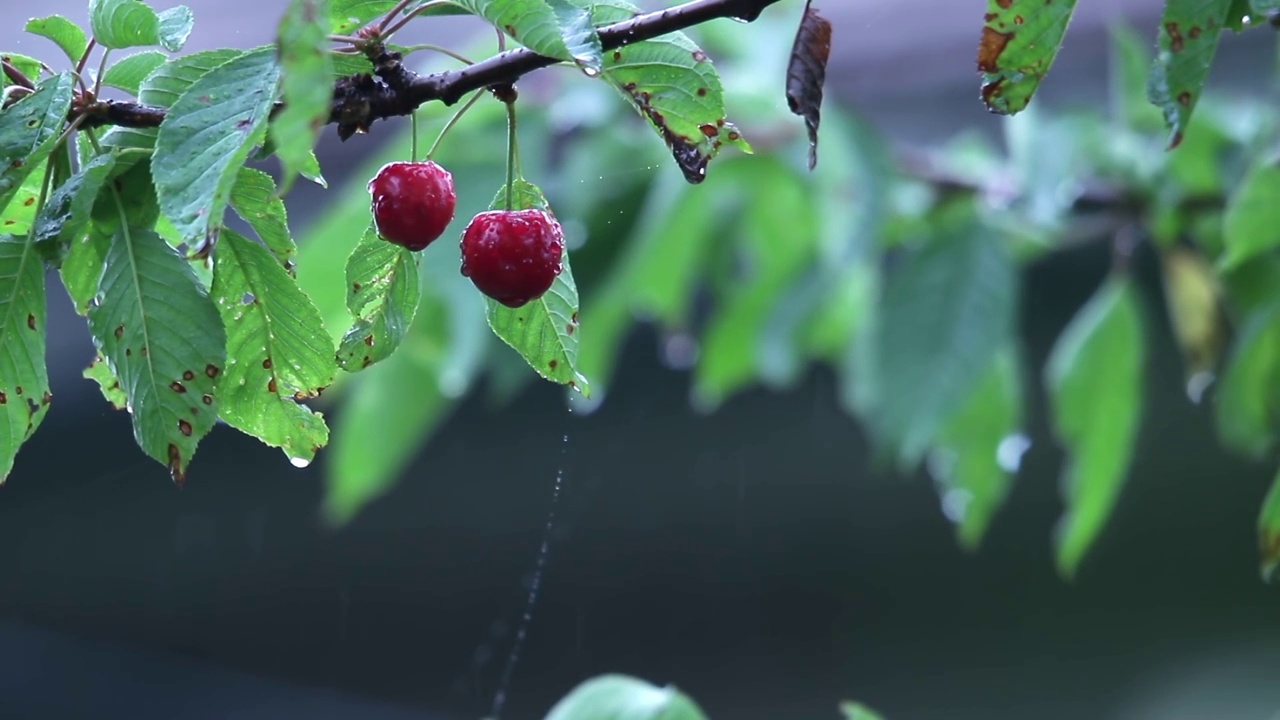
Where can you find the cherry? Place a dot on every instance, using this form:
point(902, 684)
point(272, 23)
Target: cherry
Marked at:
point(513, 256)
point(413, 202)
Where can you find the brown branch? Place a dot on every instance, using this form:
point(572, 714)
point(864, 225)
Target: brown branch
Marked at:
point(359, 100)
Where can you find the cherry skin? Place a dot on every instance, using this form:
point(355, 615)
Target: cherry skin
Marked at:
point(513, 256)
point(413, 202)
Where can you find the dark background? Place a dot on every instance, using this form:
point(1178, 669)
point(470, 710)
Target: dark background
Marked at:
point(751, 556)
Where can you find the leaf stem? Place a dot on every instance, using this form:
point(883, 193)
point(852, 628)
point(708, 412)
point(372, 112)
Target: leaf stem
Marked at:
point(102, 67)
point(84, 57)
point(442, 50)
point(453, 121)
point(16, 76)
point(350, 39)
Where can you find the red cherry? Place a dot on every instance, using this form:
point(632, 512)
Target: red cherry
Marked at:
point(413, 202)
point(513, 256)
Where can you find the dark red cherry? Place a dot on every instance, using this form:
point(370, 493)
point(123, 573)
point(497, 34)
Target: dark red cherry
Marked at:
point(513, 256)
point(413, 202)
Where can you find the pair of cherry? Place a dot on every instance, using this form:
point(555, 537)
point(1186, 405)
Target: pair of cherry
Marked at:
point(513, 256)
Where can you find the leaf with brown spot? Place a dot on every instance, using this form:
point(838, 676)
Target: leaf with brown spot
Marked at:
point(807, 73)
point(1020, 39)
point(280, 347)
point(22, 351)
point(383, 299)
point(99, 372)
point(1187, 41)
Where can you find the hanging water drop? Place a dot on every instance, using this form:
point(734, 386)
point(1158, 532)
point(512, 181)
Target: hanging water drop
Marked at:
point(299, 462)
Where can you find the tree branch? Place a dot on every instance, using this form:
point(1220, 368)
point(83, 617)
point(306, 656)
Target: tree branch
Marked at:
point(393, 90)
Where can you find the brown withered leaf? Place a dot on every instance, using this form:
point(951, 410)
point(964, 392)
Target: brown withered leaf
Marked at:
point(807, 72)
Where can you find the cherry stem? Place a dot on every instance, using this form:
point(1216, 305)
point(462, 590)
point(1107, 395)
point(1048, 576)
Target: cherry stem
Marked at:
point(413, 142)
point(511, 154)
point(453, 121)
point(349, 39)
point(442, 50)
point(385, 32)
point(102, 68)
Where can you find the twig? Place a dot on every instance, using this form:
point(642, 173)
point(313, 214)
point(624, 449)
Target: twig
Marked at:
point(359, 100)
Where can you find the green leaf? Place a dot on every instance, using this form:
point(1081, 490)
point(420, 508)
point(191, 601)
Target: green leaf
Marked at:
point(1187, 41)
point(978, 450)
point(128, 72)
point(28, 130)
point(544, 331)
point(940, 322)
point(206, 138)
point(99, 372)
point(858, 711)
point(1248, 414)
point(64, 33)
point(1094, 378)
point(162, 337)
point(1193, 298)
point(162, 87)
point(1252, 223)
point(65, 215)
point(306, 86)
point(1020, 40)
point(254, 199)
point(16, 219)
point(383, 295)
point(25, 64)
point(621, 697)
point(128, 23)
point(279, 351)
point(390, 412)
point(347, 16)
point(1269, 533)
point(674, 85)
point(24, 380)
point(555, 28)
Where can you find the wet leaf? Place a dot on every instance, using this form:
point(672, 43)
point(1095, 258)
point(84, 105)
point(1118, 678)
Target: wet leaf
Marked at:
point(1187, 41)
point(64, 33)
point(807, 73)
point(255, 200)
point(673, 84)
point(620, 697)
point(156, 327)
point(127, 73)
point(382, 295)
point(1246, 408)
point(1269, 534)
point(28, 130)
point(25, 64)
point(24, 380)
point(544, 331)
point(1252, 223)
point(1020, 40)
point(207, 136)
point(555, 28)
point(941, 319)
point(99, 372)
point(128, 23)
point(16, 218)
point(161, 89)
point(1094, 377)
point(306, 87)
point(976, 454)
point(347, 16)
point(279, 350)
point(65, 215)
point(1193, 298)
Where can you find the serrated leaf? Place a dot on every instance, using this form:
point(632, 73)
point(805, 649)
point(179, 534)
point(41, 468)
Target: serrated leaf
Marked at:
point(161, 89)
point(1269, 533)
point(978, 449)
point(1252, 222)
point(1187, 41)
point(207, 136)
point(65, 215)
point(24, 379)
point(255, 200)
point(306, 86)
point(940, 321)
point(674, 85)
point(162, 337)
point(621, 697)
point(128, 72)
point(16, 218)
point(108, 384)
point(1246, 409)
point(1020, 39)
point(544, 331)
point(1094, 378)
point(555, 28)
point(64, 33)
point(123, 23)
point(378, 432)
point(278, 350)
point(28, 130)
point(382, 295)
point(175, 26)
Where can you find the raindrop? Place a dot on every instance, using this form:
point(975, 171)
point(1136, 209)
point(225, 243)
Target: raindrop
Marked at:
point(590, 71)
point(955, 503)
point(680, 351)
point(1197, 384)
point(299, 462)
point(1010, 451)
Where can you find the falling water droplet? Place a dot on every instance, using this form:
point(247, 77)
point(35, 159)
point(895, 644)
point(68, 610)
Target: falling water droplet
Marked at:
point(1010, 451)
point(299, 462)
point(1197, 384)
